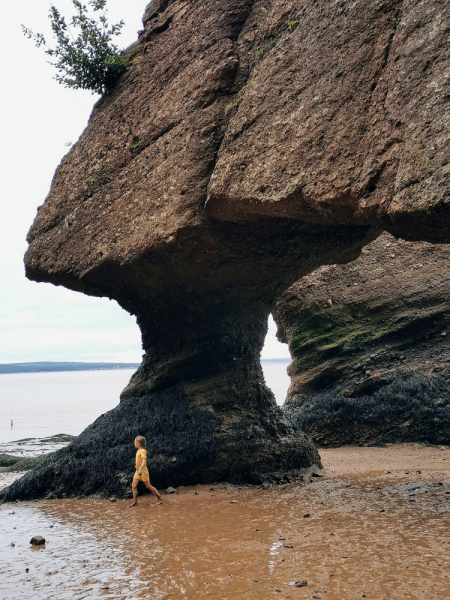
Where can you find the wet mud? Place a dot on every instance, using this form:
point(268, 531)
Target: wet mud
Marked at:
point(376, 526)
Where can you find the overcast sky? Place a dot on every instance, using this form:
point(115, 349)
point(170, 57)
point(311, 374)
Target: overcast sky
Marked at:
point(39, 118)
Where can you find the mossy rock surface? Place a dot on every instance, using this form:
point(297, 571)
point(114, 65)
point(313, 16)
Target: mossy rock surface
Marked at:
point(370, 343)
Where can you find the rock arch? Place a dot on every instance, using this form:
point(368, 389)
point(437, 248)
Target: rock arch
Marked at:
point(237, 154)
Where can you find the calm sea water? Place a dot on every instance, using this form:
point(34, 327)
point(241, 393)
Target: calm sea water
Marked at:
point(45, 404)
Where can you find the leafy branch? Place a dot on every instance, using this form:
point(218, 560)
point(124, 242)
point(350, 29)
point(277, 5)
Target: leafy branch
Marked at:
point(90, 60)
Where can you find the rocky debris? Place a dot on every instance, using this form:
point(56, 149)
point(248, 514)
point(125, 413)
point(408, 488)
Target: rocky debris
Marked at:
point(236, 155)
point(301, 583)
point(373, 366)
point(171, 490)
point(113, 499)
point(413, 488)
point(37, 540)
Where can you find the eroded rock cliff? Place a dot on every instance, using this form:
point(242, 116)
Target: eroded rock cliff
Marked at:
point(371, 346)
point(249, 142)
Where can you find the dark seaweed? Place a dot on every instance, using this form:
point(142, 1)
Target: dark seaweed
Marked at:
point(410, 409)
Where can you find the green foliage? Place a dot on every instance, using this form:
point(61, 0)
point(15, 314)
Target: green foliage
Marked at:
point(89, 61)
point(292, 26)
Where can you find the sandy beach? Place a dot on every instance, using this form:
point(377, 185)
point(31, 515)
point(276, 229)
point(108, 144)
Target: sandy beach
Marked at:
point(376, 526)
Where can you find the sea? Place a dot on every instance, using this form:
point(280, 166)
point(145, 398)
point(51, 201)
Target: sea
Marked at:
point(42, 405)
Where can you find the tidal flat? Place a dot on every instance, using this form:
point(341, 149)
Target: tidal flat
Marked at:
point(376, 525)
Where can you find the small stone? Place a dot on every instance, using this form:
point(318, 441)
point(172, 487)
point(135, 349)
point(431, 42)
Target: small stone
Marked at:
point(37, 540)
point(112, 499)
point(171, 490)
point(288, 546)
point(306, 516)
point(27, 570)
point(316, 475)
point(12, 544)
point(233, 501)
point(301, 583)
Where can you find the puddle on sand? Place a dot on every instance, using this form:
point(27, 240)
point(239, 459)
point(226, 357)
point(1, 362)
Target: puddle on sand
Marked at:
point(202, 546)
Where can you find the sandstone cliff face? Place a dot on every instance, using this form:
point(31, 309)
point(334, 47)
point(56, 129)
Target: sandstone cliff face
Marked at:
point(250, 142)
point(371, 346)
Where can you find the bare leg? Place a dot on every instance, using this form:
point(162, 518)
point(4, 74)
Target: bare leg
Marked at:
point(134, 490)
point(153, 491)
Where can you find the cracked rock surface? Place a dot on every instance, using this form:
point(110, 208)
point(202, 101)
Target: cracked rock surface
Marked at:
point(248, 143)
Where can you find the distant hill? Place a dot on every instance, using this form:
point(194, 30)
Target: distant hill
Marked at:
point(41, 367)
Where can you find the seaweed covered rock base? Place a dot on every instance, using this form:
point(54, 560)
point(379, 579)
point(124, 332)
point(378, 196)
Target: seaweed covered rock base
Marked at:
point(185, 444)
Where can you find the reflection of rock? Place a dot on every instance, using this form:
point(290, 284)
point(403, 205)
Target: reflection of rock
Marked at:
point(370, 342)
point(227, 115)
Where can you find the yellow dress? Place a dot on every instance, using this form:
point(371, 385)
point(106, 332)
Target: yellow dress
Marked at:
point(140, 454)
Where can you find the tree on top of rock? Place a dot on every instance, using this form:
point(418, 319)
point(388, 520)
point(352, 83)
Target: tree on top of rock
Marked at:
point(89, 61)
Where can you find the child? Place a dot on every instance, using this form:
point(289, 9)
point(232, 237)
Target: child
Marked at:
point(142, 471)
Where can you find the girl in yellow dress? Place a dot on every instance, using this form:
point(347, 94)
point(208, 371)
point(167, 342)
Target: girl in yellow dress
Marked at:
point(142, 473)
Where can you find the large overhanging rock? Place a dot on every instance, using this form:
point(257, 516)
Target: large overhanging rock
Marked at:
point(371, 346)
point(248, 143)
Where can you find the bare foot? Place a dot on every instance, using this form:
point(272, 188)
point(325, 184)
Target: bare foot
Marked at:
point(133, 505)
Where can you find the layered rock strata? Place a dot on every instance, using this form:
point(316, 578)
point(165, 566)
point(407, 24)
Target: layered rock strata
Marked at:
point(248, 143)
point(371, 346)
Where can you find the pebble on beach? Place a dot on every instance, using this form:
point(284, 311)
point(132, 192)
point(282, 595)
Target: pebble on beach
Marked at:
point(37, 540)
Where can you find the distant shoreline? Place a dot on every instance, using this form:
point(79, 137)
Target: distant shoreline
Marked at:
point(54, 367)
point(59, 367)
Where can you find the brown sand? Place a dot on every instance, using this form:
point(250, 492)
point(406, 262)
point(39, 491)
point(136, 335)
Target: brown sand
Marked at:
point(369, 534)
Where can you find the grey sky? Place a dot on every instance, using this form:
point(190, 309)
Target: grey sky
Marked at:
point(39, 117)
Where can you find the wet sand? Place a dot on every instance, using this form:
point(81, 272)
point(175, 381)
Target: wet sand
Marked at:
point(378, 528)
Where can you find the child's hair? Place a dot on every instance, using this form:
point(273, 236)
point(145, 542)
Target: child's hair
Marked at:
point(141, 440)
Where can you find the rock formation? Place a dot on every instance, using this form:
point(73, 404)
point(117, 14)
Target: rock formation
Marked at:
point(249, 142)
point(371, 346)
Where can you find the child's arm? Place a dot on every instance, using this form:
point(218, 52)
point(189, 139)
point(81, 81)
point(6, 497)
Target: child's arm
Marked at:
point(143, 465)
